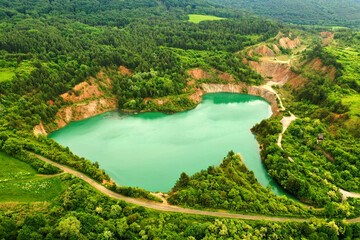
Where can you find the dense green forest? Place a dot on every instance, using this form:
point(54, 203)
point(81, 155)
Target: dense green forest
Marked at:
point(232, 186)
point(83, 213)
point(61, 52)
point(319, 168)
point(344, 13)
point(49, 46)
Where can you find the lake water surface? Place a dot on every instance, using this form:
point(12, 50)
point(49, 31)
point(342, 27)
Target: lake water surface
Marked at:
point(150, 150)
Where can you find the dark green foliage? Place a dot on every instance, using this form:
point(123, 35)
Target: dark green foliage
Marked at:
point(306, 12)
point(98, 217)
point(65, 47)
point(13, 147)
point(313, 93)
point(326, 58)
point(231, 186)
point(60, 44)
point(182, 182)
point(312, 177)
point(133, 192)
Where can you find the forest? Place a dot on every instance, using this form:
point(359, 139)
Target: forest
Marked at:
point(321, 13)
point(83, 213)
point(49, 46)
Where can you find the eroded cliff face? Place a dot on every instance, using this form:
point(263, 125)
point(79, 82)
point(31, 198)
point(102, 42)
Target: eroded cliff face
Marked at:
point(265, 51)
point(86, 99)
point(84, 110)
point(272, 69)
point(245, 89)
point(39, 130)
point(287, 43)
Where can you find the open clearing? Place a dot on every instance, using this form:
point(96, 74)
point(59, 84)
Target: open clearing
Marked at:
point(19, 182)
point(198, 18)
point(6, 74)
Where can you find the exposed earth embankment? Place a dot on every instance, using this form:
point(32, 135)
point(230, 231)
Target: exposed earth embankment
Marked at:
point(245, 89)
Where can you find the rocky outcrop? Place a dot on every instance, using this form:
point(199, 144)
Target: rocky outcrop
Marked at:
point(276, 49)
point(277, 72)
point(198, 73)
point(39, 130)
point(287, 43)
point(125, 71)
point(85, 90)
point(86, 99)
point(82, 111)
point(264, 50)
point(243, 88)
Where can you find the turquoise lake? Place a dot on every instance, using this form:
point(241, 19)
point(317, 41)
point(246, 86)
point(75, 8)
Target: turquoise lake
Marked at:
point(150, 150)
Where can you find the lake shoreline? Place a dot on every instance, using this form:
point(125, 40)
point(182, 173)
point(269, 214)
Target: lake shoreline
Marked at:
point(205, 88)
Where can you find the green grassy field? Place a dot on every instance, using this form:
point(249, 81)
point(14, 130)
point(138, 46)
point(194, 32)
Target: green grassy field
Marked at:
point(6, 74)
point(198, 18)
point(8, 70)
point(19, 182)
point(350, 59)
point(354, 104)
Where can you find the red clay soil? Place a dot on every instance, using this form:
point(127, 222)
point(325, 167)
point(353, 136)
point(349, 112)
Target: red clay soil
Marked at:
point(332, 73)
point(264, 51)
point(100, 75)
point(197, 96)
point(276, 49)
point(297, 81)
point(198, 73)
point(327, 37)
point(286, 42)
point(277, 71)
point(157, 101)
point(111, 182)
point(317, 64)
point(82, 91)
point(191, 82)
point(82, 111)
point(250, 53)
point(125, 71)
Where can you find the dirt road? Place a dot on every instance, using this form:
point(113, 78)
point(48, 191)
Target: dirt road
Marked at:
point(162, 207)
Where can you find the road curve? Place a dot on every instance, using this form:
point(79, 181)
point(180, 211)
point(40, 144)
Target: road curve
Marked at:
point(161, 207)
point(168, 208)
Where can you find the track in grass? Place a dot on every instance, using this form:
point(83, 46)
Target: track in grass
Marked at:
point(20, 183)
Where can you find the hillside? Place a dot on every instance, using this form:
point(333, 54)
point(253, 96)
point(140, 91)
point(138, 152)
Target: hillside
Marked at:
point(345, 13)
point(64, 61)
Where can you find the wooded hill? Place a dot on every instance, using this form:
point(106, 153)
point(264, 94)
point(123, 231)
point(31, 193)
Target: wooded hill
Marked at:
point(345, 13)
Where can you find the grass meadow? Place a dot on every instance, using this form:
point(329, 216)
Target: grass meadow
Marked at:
point(198, 18)
point(20, 183)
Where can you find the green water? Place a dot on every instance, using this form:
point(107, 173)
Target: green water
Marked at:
point(150, 150)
